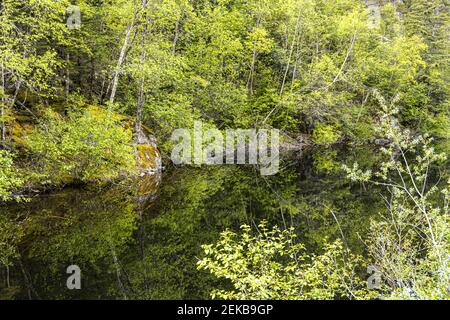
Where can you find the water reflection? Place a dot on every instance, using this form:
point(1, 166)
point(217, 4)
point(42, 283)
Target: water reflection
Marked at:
point(142, 240)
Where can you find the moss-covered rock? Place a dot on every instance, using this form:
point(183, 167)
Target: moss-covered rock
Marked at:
point(148, 158)
point(24, 123)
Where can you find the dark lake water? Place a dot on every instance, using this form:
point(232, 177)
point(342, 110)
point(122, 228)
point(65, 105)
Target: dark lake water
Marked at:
point(141, 239)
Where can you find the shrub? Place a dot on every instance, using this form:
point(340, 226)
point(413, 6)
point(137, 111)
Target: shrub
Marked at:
point(86, 146)
point(272, 265)
point(326, 134)
point(9, 175)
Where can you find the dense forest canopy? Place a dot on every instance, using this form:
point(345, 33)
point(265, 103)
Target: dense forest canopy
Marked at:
point(301, 66)
point(77, 97)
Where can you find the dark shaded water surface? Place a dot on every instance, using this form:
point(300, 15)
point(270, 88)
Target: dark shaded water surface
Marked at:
point(141, 240)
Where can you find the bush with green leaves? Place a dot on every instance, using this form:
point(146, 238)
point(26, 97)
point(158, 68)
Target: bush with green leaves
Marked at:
point(326, 134)
point(9, 175)
point(271, 264)
point(10, 235)
point(87, 146)
point(410, 241)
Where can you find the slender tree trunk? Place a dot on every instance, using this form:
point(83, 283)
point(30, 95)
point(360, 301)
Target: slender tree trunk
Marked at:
point(3, 105)
point(252, 66)
point(141, 93)
point(100, 95)
point(67, 76)
point(123, 52)
point(3, 91)
point(297, 58)
point(142, 237)
point(141, 99)
point(177, 34)
point(92, 78)
point(291, 51)
point(8, 284)
point(118, 272)
point(252, 70)
point(28, 282)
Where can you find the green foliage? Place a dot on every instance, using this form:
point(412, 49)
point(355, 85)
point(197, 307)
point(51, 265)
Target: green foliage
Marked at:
point(409, 242)
point(272, 265)
point(300, 66)
point(93, 229)
point(25, 24)
point(325, 161)
point(87, 146)
point(305, 67)
point(10, 235)
point(10, 178)
point(326, 134)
